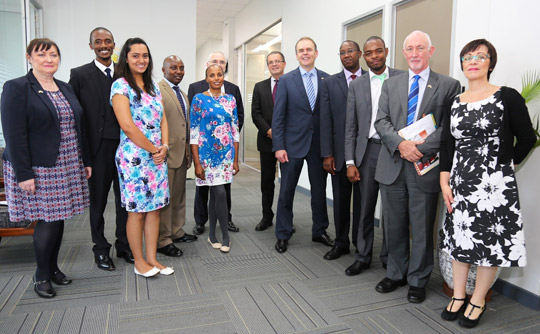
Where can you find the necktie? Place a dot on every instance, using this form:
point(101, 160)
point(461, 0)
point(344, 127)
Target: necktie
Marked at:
point(413, 100)
point(310, 90)
point(274, 91)
point(181, 100)
point(353, 76)
point(380, 77)
point(108, 71)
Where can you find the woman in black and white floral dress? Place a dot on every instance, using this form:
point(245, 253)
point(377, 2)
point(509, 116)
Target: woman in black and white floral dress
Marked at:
point(483, 225)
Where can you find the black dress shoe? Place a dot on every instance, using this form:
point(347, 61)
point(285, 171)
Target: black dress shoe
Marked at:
point(416, 295)
point(59, 278)
point(263, 224)
point(466, 321)
point(451, 316)
point(356, 268)
point(127, 255)
point(198, 229)
point(389, 285)
point(44, 288)
point(335, 253)
point(324, 239)
point(233, 228)
point(186, 238)
point(104, 262)
point(281, 245)
point(170, 250)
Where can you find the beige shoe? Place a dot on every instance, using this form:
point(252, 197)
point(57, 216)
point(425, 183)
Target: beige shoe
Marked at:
point(225, 249)
point(216, 245)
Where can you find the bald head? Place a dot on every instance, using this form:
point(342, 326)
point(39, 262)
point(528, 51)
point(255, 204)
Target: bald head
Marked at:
point(173, 69)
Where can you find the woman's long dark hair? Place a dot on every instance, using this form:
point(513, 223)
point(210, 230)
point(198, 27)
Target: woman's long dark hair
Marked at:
point(122, 69)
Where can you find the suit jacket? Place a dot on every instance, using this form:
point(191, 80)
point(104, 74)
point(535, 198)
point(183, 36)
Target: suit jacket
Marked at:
point(295, 127)
point(86, 81)
point(392, 116)
point(230, 88)
point(178, 147)
point(359, 114)
point(262, 107)
point(333, 114)
point(31, 125)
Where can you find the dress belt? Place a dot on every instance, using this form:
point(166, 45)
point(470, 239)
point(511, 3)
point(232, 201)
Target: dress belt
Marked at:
point(374, 141)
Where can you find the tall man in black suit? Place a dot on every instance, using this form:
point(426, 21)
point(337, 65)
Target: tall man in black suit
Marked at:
point(92, 85)
point(333, 112)
point(410, 200)
point(262, 107)
point(362, 147)
point(295, 138)
point(200, 209)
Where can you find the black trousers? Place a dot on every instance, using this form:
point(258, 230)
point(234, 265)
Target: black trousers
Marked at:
point(104, 173)
point(200, 205)
point(268, 176)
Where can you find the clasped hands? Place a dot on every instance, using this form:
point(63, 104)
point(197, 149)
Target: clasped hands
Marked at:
point(408, 150)
point(160, 154)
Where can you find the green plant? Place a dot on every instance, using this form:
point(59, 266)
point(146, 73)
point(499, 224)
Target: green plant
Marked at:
point(530, 92)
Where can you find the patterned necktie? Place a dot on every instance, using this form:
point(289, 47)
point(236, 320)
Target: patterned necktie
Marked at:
point(353, 76)
point(108, 71)
point(380, 77)
point(274, 91)
point(413, 100)
point(310, 90)
point(181, 100)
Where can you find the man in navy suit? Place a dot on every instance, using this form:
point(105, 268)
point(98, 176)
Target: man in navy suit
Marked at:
point(333, 112)
point(262, 107)
point(92, 85)
point(200, 208)
point(295, 138)
point(362, 147)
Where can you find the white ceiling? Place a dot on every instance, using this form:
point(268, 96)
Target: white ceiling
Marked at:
point(211, 14)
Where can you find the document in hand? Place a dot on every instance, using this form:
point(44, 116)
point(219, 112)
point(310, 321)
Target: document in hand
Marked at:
point(420, 130)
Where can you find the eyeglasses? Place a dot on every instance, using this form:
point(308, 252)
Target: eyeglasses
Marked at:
point(348, 52)
point(275, 62)
point(418, 49)
point(220, 62)
point(479, 57)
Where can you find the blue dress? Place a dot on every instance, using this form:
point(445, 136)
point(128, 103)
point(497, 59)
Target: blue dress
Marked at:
point(144, 185)
point(214, 127)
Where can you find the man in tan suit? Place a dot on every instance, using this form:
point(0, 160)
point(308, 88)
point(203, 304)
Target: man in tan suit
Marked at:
point(176, 106)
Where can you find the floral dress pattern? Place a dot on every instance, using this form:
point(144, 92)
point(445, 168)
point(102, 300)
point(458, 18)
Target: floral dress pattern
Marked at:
point(485, 227)
point(144, 185)
point(214, 127)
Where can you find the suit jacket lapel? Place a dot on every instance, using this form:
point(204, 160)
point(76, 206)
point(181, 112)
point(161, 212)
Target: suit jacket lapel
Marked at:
point(366, 87)
point(36, 87)
point(297, 78)
point(342, 83)
point(95, 78)
point(429, 92)
point(267, 90)
point(403, 96)
point(168, 90)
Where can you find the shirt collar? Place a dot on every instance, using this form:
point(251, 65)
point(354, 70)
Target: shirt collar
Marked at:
point(424, 74)
point(313, 70)
point(170, 83)
point(103, 67)
point(371, 74)
point(349, 73)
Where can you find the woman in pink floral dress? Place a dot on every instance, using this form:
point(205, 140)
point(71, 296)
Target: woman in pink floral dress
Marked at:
point(214, 145)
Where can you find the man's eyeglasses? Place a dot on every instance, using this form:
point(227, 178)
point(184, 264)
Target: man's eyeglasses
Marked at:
point(275, 62)
point(479, 57)
point(218, 62)
point(348, 52)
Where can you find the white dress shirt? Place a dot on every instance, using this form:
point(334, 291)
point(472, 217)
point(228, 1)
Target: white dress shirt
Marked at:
point(103, 67)
point(422, 83)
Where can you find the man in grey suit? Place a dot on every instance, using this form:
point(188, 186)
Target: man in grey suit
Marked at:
point(410, 200)
point(333, 114)
point(362, 147)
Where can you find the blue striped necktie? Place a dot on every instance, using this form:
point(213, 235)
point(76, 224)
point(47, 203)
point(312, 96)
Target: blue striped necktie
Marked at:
point(310, 90)
point(413, 100)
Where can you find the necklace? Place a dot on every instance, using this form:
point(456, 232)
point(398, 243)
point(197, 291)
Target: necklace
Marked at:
point(215, 96)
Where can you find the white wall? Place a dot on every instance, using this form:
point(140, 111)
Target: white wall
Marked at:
point(510, 27)
point(167, 26)
point(203, 51)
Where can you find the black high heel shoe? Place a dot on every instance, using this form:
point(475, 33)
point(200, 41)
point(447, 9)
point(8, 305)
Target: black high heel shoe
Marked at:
point(44, 288)
point(451, 316)
point(466, 321)
point(59, 278)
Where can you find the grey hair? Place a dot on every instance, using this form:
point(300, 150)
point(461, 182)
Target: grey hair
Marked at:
point(213, 53)
point(417, 32)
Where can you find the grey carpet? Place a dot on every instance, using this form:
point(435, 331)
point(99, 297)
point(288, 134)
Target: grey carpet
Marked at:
point(251, 290)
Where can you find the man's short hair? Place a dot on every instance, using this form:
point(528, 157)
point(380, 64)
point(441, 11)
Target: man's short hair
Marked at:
point(375, 38)
point(352, 42)
point(100, 28)
point(415, 32)
point(275, 53)
point(305, 38)
point(212, 53)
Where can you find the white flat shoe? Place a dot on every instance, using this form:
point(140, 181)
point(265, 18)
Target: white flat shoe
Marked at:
point(166, 271)
point(152, 272)
point(225, 249)
point(215, 245)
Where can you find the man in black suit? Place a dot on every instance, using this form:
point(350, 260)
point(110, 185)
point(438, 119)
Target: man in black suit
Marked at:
point(362, 147)
point(92, 85)
point(200, 209)
point(333, 112)
point(295, 138)
point(262, 107)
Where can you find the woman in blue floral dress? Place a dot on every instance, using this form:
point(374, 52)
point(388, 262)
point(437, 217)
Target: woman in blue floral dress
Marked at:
point(140, 157)
point(214, 146)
